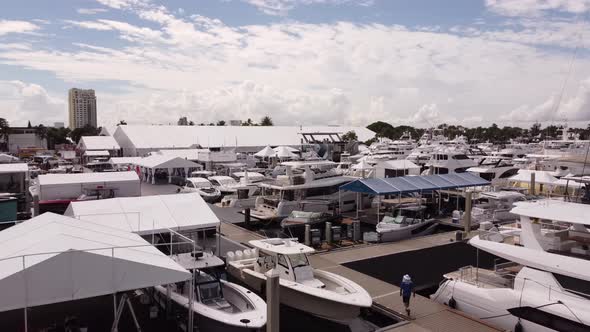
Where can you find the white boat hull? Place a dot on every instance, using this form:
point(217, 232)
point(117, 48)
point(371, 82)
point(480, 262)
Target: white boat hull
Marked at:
point(402, 233)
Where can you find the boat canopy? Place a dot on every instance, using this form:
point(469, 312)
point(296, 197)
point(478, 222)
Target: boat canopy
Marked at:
point(409, 184)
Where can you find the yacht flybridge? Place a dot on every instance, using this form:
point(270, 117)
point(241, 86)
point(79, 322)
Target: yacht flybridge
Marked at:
point(318, 292)
point(546, 284)
point(219, 305)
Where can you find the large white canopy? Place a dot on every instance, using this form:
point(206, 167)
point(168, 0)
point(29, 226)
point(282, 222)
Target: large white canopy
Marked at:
point(542, 177)
point(165, 161)
point(266, 152)
point(98, 143)
point(53, 258)
point(552, 209)
point(148, 214)
point(284, 152)
point(288, 148)
point(97, 153)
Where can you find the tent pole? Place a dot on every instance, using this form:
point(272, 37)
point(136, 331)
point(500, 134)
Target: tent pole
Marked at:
point(26, 296)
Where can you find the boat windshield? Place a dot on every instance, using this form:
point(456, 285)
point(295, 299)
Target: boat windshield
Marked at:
point(298, 260)
point(208, 286)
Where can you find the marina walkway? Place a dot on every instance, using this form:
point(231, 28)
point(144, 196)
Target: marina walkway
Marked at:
point(426, 314)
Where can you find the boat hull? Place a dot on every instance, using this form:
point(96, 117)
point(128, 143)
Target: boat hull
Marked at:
point(317, 306)
point(425, 228)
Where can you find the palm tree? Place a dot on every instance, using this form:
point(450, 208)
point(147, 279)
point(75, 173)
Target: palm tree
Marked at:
point(4, 131)
point(266, 121)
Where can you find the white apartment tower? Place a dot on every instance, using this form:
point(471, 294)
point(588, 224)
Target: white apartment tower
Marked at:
point(82, 108)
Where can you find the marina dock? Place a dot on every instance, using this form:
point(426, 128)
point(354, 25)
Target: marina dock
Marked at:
point(426, 314)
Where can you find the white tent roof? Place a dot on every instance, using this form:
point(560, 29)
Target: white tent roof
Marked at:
point(98, 143)
point(163, 161)
point(283, 152)
point(290, 149)
point(147, 214)
point(67, 259)
point(170, 137)
point(14, 168)
point(524, 175)
point(6, 158)
point(556, 210)
point(398, 164)
point(47, 179)
point(96, 153)
point(266, 152)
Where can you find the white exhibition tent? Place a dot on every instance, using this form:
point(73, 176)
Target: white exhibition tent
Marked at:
point(53, 258)
point(171, 164)
point(282, 152)
point(148, 214)
point(288, 148)
point(541, 177)
point(97, 153)
point(267, 152)
point(6, 158)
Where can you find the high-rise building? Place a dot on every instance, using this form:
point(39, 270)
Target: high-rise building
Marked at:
point(82, 108)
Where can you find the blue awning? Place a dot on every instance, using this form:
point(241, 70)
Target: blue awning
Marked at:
point(409, 184)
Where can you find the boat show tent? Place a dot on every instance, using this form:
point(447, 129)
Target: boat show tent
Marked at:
point(171, 164)
point(148, 214)
point(409, 184)
point(267, 152)
point(93, 143)
point(53, 258)
point(97, 153)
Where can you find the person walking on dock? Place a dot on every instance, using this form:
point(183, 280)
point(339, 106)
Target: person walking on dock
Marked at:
point(405, 291)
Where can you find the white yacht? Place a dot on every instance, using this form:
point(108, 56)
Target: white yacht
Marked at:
point(317, 292)
point(225, 184)
point(201, 186)
point(494, 169)
point(219, 305)
point(448, 160)
point(546, 284)
point(409, 222)
point(495, 207)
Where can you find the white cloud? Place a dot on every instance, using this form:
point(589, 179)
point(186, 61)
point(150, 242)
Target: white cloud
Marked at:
point(536, 7)
point(122, 4)
point(7, 26)
point(22, 102)
point(91, 11)
point(282, 7)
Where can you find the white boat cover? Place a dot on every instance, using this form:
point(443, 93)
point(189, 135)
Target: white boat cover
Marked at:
point(53, 258)
point(147, 214)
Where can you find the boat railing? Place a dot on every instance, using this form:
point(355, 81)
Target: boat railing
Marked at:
point(483, 277)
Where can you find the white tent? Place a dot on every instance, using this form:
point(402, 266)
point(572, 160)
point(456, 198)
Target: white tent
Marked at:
point(171, 164)
point(147, 214)
point(541, 177)
point(6, 158)
point(362, 165)
point(97, 153)
point(284, 153)
point(288, 148)
point(53, 258)
point(266, 152)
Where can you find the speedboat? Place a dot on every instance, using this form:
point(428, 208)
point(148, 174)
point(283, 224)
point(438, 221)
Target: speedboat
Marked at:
point(225, 184)
point(201, 186)
point(219, 305)
point(317, 292)
point(409, 222)
point(544, 286)
point(294, 224)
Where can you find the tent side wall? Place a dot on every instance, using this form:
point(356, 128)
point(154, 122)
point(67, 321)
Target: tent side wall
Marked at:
point(125, 143)
point(125, 188)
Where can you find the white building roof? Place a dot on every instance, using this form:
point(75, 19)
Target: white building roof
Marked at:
point(14, 168)
point(147, 214)
point(96, 153)
point(67, 259)
point(98, 143)
point(162, 161)
point(171, 137)
point(48, 179)
point(556, 210)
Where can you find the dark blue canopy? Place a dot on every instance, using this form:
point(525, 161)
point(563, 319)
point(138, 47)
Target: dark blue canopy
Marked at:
point(408, 184)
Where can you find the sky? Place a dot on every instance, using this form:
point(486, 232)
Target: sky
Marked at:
point(301, 62)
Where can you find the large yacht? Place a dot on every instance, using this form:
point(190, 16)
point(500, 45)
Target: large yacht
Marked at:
point(494, 169)
point(317, 292)
point(449, 160)
point(545, 286)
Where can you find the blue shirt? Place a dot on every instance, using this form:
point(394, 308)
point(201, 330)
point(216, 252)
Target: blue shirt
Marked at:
point(407, 288)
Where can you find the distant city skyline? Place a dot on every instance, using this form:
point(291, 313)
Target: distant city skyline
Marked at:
point(301, 62)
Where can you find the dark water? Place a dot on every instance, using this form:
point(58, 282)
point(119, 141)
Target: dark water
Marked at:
point(425, 266)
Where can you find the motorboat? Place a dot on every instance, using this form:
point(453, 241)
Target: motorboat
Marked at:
point(245, 197)
point(218, 305)
point(494, 169)
point(409, 222)
point(544, 286)
point(225, 184)
point(449, 160)
point(302, 287)
point(247, 177)
point(495, 206)
point(201, 186)
point(294, 224)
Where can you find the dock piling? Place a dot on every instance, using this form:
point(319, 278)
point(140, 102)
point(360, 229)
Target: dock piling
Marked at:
point(272, 301)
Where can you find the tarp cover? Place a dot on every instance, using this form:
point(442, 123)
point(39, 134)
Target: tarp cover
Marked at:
point(147, 214)
point(52, 258)
point(407, 184)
